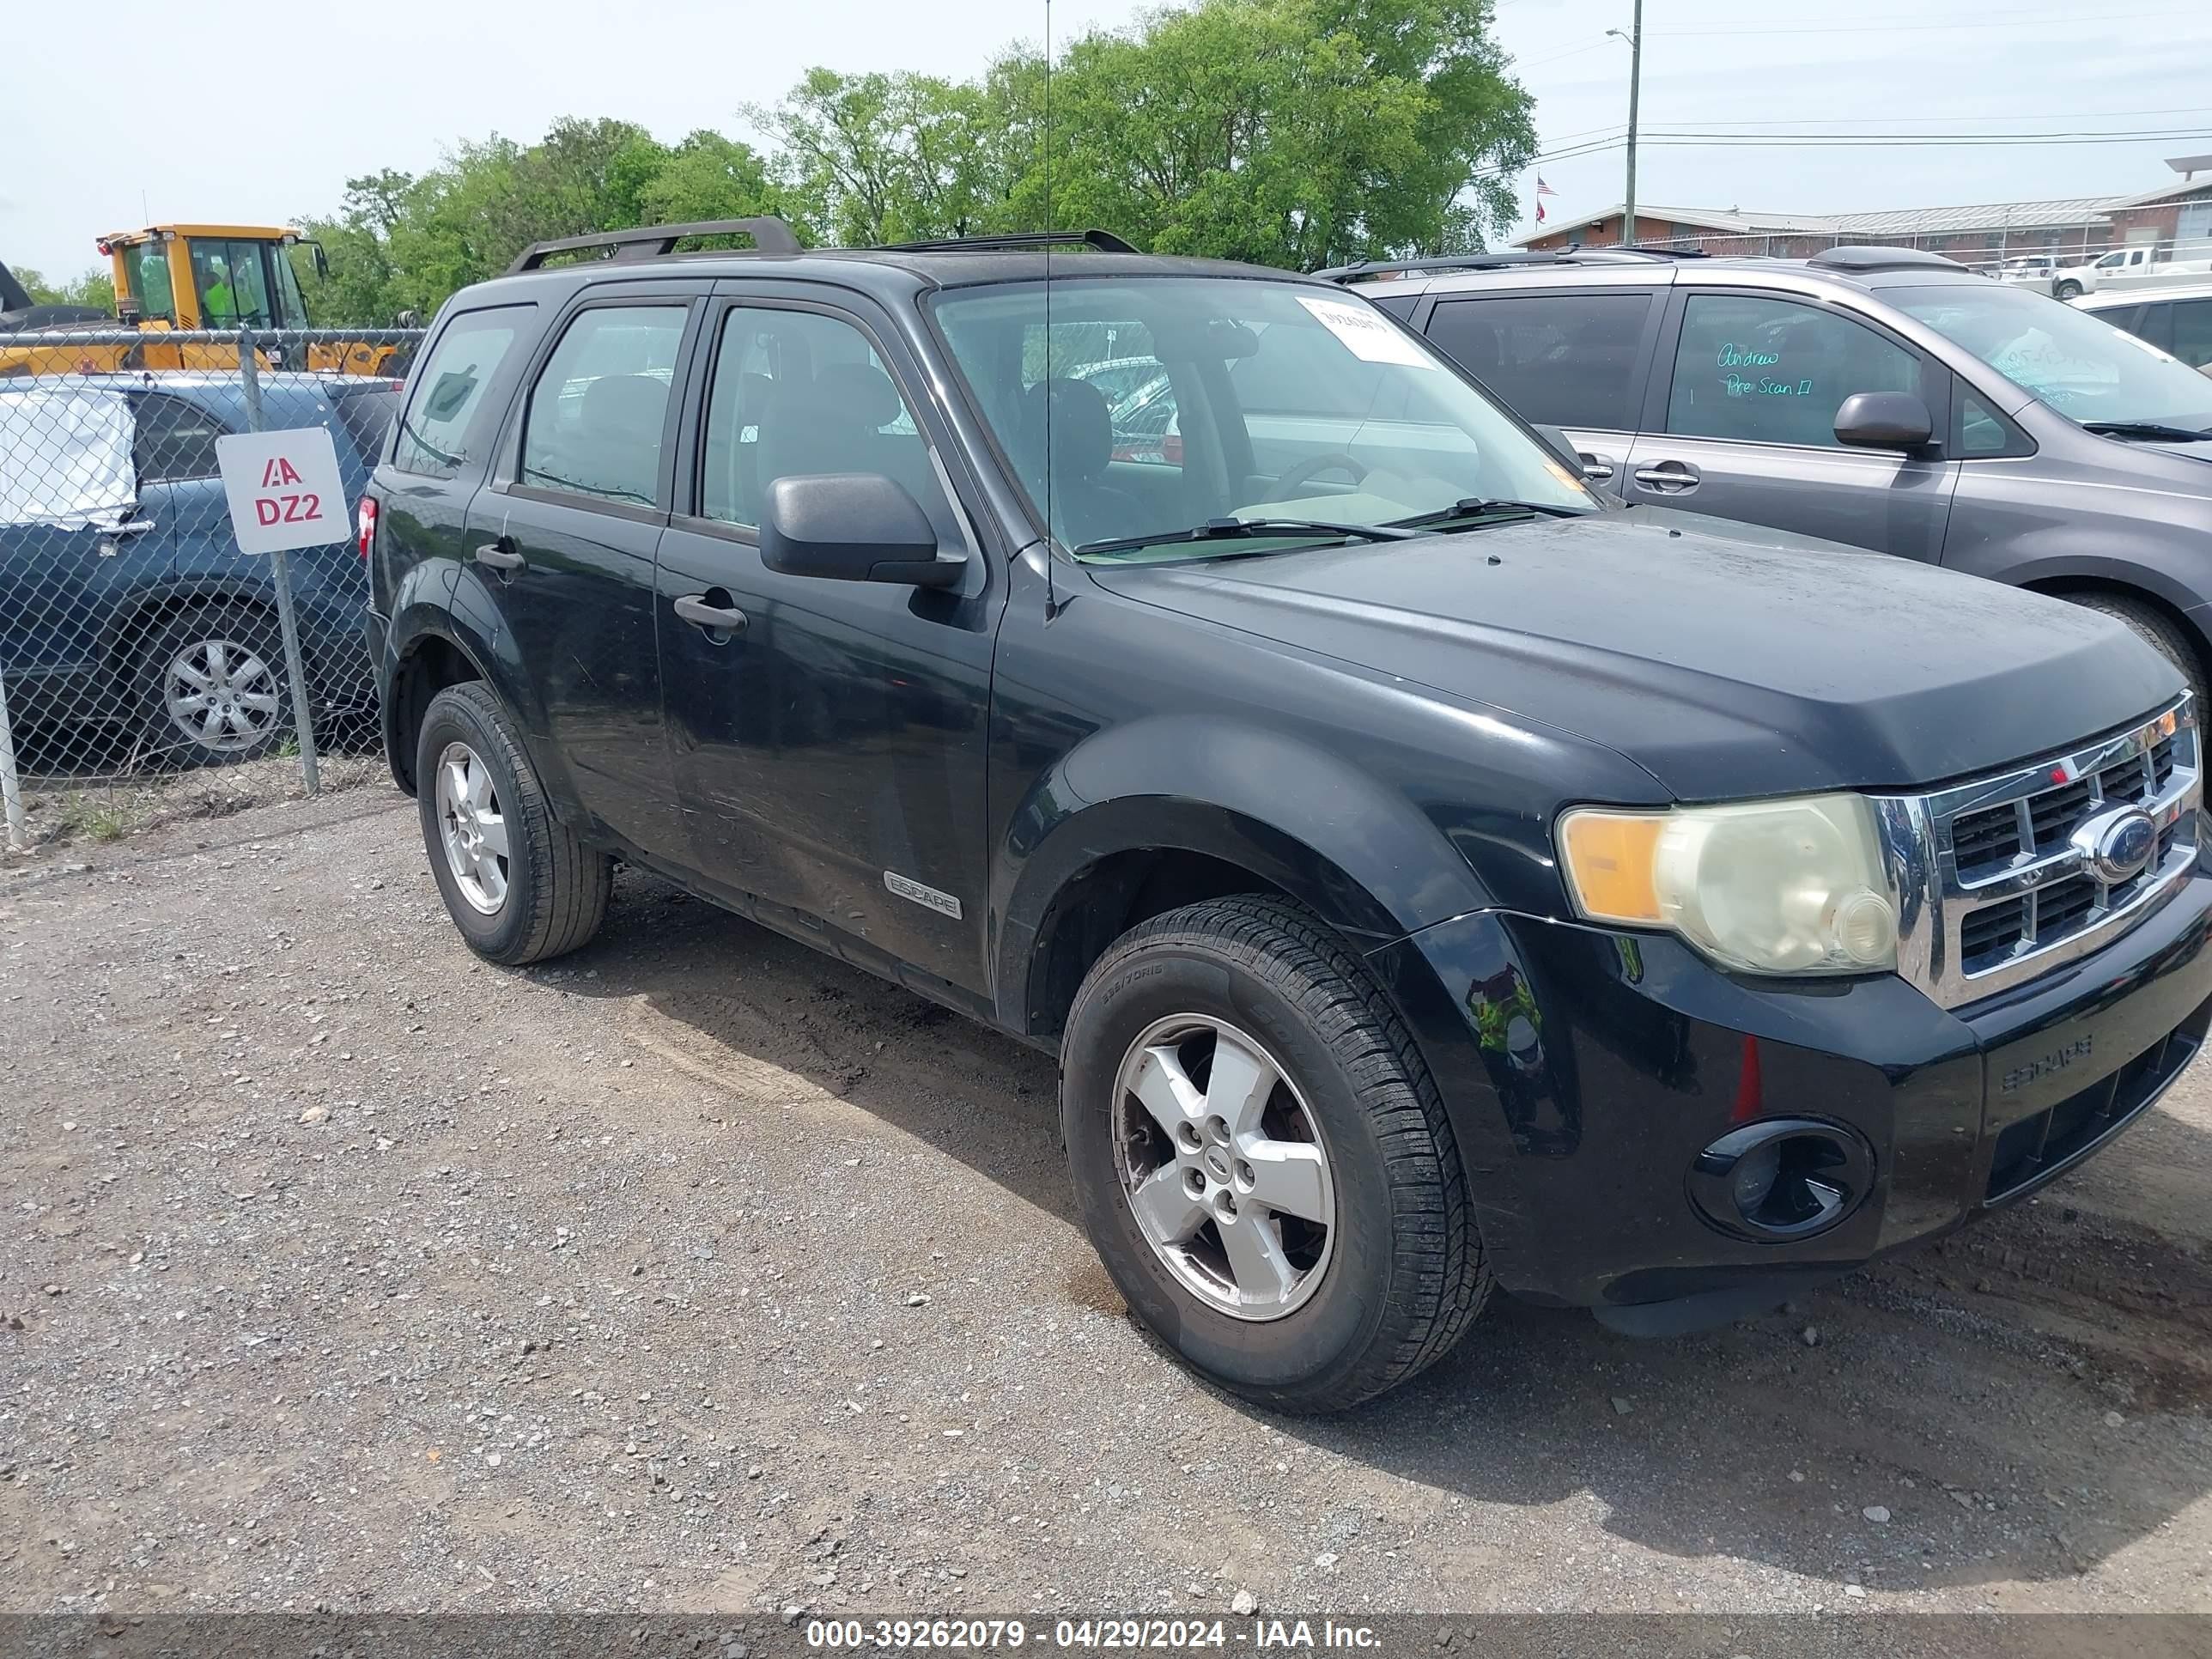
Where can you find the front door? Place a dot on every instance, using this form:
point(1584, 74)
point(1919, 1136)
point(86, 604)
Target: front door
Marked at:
point(562, 545)
point(1746, 428)
point(829, 737)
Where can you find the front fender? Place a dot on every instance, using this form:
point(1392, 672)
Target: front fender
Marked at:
point(1305, 820)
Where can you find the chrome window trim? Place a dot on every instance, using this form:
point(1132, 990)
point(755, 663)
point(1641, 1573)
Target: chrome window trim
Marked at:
point(1933, 901)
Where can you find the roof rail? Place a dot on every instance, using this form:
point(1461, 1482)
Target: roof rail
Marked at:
point(769, 235)
point(1866, 257)
point(1104, 240)
point(1605, 251)
point(1367, 267)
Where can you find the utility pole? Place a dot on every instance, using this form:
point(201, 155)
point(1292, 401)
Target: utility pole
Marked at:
point(1635, 39)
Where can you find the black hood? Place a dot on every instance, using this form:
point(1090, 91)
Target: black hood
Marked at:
point(1727, 660)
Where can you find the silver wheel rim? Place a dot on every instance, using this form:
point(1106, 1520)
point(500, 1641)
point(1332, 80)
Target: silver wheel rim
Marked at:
point(1223, 1167)
point(472, 828)
point(221, 695)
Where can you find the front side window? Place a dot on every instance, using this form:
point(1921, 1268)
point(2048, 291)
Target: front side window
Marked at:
point(2074, 360)
point(174, 441)
point(233, 290)
point(1283, 401)
point(1774, 371)
point(601, 401)
point(1564, 359)
point(444, 395)
point(796, 393)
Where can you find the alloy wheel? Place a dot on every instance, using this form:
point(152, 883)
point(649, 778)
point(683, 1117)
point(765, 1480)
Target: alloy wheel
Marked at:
point(221, 696)
point(1223, 1167)
point(472, 828)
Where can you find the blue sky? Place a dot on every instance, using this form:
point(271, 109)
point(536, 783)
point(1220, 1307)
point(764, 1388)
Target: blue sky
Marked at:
point(335, 92)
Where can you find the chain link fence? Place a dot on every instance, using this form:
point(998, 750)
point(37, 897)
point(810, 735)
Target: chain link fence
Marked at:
point(147, 665)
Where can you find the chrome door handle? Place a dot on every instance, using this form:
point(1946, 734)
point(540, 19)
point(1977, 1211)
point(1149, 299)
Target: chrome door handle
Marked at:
point(132, 527)
point(694, 608)
point(1597, 468)
point(1673, 477)
point(494, 556)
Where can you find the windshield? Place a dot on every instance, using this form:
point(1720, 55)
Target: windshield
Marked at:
point(1237, 399)
point(2080, 365)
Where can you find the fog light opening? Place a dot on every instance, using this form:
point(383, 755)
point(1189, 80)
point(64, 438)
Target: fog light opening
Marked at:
point(1783, 1179)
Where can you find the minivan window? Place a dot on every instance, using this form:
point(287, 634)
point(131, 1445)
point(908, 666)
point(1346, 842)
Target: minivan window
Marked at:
point(1563, 359)
point(2074, 360)
point(1775, 371)
point(596, 414)
point(2192, 332)
point(796, 391)
point(445, 394)
point(174, 440)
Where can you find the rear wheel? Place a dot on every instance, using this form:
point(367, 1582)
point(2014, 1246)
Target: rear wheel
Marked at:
point(213, 680)
point(1262, 1160)
point(2069, 289)
point(519, 886)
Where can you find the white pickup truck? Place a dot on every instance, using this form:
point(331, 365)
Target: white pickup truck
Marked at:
point(2150, 265)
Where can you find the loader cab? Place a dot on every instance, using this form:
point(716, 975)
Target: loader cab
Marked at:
point(209, 275)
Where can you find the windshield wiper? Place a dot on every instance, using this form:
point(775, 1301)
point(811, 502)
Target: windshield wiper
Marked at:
point(2151, 431)
point(1478, 506)
point(1245, 529)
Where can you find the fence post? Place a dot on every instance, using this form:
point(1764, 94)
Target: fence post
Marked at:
point(295, 671)
point(11, 788)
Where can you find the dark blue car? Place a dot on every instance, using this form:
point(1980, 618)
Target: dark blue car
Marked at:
point(129, 622)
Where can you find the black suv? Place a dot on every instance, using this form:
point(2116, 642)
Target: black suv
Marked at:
point(1428, 875)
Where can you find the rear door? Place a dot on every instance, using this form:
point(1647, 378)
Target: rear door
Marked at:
point(1739, 423)
point(1575, 358)
point(562, 542)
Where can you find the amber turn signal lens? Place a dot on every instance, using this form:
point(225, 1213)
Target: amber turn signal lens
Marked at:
point(1609, 858)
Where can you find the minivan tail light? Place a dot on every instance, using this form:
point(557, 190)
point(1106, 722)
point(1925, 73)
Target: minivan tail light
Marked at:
point(367, 519)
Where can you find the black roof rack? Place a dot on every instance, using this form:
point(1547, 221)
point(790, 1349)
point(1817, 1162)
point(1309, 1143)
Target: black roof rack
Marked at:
point(1367, 267)
point(1104, 240)
point(1863, 256)
point(769, 235)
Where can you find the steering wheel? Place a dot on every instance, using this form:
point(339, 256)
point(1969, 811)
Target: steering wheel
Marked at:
point(1288, 486)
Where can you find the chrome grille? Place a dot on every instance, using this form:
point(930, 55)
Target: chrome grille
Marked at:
point(1996, 883)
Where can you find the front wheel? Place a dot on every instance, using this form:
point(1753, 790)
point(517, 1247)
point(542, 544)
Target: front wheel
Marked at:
point(517, 884)
point(1262, 1160)
point(2067, 290)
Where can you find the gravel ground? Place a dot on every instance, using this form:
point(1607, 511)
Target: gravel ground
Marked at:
point(696, 1272)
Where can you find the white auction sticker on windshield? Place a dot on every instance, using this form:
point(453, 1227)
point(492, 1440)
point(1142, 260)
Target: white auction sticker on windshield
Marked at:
point(1368, 335)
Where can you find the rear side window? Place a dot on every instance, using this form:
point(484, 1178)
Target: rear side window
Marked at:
point(601, 401)
point(448, 391)
point(174, 441)
point(1774, 371)
point(367, 417)
point(2192, 332)
point(1562, 359)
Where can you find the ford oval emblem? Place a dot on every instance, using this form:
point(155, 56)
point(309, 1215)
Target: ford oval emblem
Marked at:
point(2117, 845)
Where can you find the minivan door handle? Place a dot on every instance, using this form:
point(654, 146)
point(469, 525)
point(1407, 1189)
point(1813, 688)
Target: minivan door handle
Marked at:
point(1595, 467)
point(724, 619)
point(1672, 477)
point(499, 555)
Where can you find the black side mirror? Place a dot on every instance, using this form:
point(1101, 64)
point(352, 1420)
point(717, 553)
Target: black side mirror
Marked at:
point(851, 527)
point(1558, 442)
point(1884, 420)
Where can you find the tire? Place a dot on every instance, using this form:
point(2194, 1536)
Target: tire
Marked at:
point(212, 684)
point(1397, 1273)
point(547, 893)
point(2159, 631)
point(2067, 290)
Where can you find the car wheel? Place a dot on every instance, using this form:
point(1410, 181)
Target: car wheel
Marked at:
point(2160, 632)
point(1262, 1159)
point(519, 885)
point(2067, 290)
point(215, 686)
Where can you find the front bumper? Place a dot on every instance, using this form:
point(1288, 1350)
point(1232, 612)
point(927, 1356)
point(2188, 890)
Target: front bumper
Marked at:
point(1585, 1070)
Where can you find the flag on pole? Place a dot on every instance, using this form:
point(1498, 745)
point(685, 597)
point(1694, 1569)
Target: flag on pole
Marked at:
point(1543, 189)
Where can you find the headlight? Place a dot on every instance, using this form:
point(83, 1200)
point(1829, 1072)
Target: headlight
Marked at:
point(1772, 887)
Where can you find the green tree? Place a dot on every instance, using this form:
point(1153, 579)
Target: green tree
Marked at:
point(95, 288)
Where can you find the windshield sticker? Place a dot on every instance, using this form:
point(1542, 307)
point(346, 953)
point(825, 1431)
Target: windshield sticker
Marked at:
point(1368, 335)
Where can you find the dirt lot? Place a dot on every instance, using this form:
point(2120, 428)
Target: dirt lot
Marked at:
point(697, 1272)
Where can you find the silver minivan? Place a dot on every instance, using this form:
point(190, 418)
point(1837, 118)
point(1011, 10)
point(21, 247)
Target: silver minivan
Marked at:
point(1885, 398)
